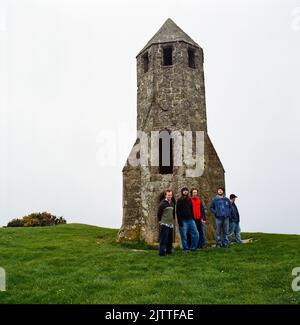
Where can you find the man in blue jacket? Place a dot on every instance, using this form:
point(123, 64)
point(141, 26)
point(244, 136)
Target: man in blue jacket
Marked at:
point(221, 208)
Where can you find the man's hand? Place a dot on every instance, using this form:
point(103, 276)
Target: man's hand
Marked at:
point(203, 221)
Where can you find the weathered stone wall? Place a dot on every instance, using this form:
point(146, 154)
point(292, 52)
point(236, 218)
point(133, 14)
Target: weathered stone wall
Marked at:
point(133, 221)
point(171, 97)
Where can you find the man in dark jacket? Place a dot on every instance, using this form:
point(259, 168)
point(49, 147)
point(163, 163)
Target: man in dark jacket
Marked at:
point(186, 222)
point(234, 221)
point(221, 208)
point(166, 216)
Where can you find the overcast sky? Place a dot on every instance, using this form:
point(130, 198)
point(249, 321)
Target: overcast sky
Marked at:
point(68, 79)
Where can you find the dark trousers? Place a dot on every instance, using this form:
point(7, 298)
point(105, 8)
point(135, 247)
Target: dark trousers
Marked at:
point(202, 230)
point(165, 240)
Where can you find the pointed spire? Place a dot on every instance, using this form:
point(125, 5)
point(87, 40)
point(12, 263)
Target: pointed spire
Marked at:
point(169, 32)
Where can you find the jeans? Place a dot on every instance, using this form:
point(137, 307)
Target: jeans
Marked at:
point(222, 232)
point(189, 227)
point(202, 231)
point(165, 240)
point(234, 227)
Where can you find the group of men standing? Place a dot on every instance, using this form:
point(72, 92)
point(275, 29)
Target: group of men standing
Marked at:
point(191, 218)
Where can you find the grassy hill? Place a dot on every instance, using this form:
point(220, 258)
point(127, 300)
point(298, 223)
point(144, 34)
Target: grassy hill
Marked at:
point(78, 263)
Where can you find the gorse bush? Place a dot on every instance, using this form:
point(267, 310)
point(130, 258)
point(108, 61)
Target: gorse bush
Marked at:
point(15, 223)
point(39, 219)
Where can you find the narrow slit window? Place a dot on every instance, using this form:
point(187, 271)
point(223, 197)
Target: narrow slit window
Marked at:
point(166, 156)
point(168, 56)
point(146, 62)
point(191, 55)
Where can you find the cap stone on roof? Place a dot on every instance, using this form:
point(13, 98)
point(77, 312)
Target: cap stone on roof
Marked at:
point(169, 32)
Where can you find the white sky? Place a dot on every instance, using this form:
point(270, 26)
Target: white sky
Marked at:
point(68, 74)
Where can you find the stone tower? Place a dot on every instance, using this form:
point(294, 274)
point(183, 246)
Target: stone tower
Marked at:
point(170, 97)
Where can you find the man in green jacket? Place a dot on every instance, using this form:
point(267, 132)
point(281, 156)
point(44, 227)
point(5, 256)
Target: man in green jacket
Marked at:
point(166, 216)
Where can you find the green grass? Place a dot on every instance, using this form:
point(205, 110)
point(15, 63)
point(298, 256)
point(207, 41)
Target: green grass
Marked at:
point(78, 263)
